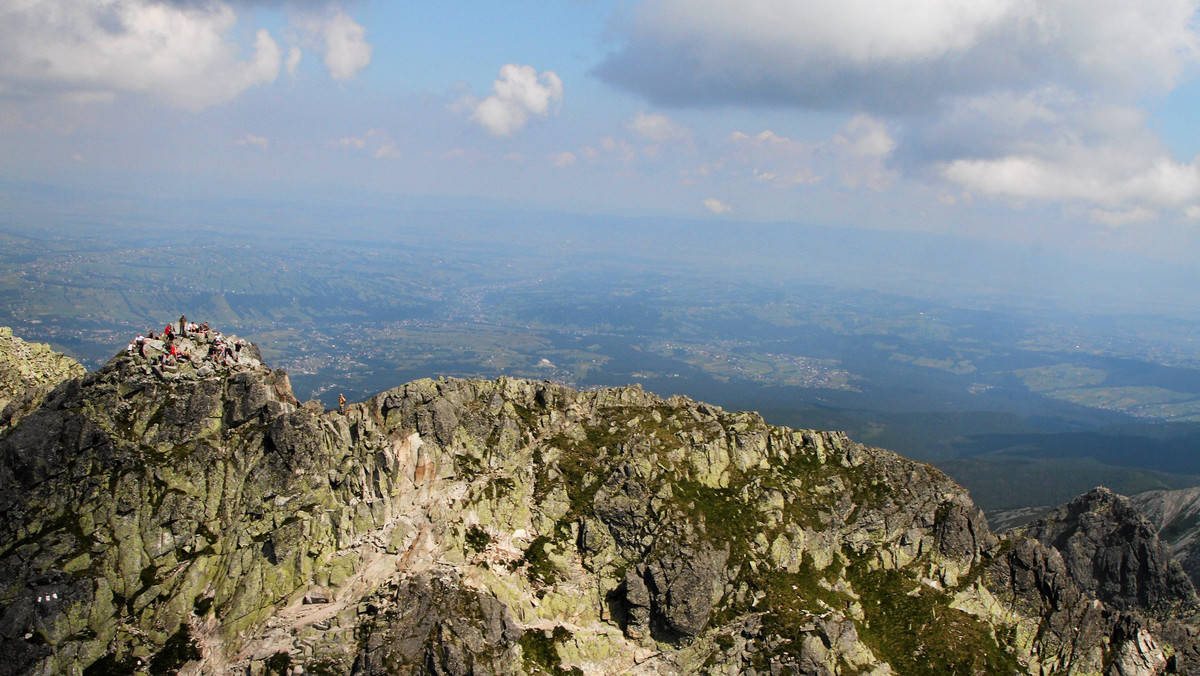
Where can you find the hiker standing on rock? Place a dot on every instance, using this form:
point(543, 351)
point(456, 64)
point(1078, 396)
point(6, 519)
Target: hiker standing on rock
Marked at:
point(341, 403)
point(183, 326)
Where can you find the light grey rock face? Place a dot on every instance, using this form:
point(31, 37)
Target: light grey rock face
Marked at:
point(29, 372)
point(436, 624)
point(1007, 519)
point(202, 521)
point(1033, 580)
point(684, 580)
point(1176, 516)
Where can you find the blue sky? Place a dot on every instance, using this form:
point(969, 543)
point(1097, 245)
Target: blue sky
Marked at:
point(1066, 121)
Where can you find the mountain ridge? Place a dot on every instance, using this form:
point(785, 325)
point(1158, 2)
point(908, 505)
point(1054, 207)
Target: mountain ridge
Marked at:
point(201, 520)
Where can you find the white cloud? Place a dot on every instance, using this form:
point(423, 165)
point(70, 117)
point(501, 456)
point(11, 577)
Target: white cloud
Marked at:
point(93, 50)
point(259, 142)
point(347, 51)
point(716, 206)
point(388, 151)
point(764, 138)
point(866, 146)
point(1014, 99)
point(865, 136)
point(861, 152)
point(1109, 178)
point(564, 160)
point(770, 158)
point(1055, 146)
point(1115, 218)
point(803, 176)
point(293, 61)
point(384, 147)
point(991, 123)
point(658, 128)
point(519, 92)
point(767, 146)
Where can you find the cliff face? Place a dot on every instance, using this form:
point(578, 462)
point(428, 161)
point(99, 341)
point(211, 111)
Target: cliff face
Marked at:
point(200, 520)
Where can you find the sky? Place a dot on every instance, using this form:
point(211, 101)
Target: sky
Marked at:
point(1064, 122)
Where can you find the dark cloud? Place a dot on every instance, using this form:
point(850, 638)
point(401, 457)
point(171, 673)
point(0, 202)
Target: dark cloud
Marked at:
point(861, 56)
point(680, 75)
point(301, 4)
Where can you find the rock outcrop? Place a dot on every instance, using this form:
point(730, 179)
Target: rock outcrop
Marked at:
point(28, 372)
point(1095, 591)
point(1113, 553)
point(201, 520)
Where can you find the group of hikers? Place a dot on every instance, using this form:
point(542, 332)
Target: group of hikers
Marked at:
point(168, 349)
point(171, 349)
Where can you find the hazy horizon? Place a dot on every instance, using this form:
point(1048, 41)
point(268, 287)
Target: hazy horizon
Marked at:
point(948, 267)
point(1041, 124)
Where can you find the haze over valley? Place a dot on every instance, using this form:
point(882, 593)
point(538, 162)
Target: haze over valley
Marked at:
point(930, 345)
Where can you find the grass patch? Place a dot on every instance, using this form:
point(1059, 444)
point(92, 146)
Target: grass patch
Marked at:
point(539, 567)
point(477, 539)
point(529, 419)
point(540, 655)
point(789, 602)
point(912, 628)
point(726, 517)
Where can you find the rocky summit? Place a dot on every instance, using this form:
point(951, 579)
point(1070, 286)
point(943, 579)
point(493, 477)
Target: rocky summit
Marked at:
point(195, 518)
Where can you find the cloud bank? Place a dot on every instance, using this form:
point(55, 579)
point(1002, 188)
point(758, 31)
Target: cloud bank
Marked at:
point(1024, 100)
point(893, 56)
